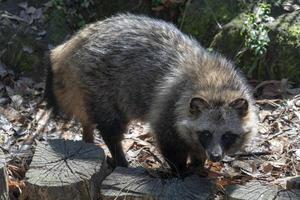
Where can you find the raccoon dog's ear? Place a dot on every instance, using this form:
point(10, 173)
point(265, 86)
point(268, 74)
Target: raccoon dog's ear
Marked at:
point(198, 104)
point(240, 105)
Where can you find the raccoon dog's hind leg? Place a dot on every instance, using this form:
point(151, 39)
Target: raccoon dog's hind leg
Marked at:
point(87, 133)
point(112, 133)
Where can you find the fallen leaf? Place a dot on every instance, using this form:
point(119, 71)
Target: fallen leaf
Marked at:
point(266, 167)
point(27, 49)
point(26, 17)
point(246, 166)
point(47, 5)
point(11, 114)
point(30, 10)
point(23, 5)
point(127, 144)
point(42, 33)
point(37, 14)
point(276, 145)
point(17, 100)
point(297, 154)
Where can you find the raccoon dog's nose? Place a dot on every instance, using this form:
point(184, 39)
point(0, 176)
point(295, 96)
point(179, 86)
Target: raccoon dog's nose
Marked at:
point(215, 157)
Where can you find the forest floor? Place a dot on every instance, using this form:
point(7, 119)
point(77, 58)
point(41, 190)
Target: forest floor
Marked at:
point(272, 157)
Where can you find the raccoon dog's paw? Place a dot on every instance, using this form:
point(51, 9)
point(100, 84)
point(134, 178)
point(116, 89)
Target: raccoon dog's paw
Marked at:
point(111, 162)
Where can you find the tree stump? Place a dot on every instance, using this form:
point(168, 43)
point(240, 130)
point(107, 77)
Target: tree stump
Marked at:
point(251, 190)
point(136, 183)
point(3, 178)
point(293, 183)
point(260, 191)
point(293, 194)
point(64, 170)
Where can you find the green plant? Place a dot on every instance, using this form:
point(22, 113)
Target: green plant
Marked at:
point(156, 2)
point(255, 29)
point(59, 4)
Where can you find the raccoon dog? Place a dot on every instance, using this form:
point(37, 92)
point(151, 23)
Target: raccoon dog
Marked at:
point(130, 67)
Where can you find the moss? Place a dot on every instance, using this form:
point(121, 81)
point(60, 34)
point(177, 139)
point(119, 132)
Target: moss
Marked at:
point(287, 29)
point(58, 27)
point(12, 45)
point(286, 36)
point(201, 18)
point(233, 39)
point(287, 64)
point(294, 32)
point(28, 61)
point(282, 57)
point(290, 36)
point(20, 60)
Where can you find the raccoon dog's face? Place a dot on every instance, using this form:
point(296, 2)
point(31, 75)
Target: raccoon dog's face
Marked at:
point(219, 129)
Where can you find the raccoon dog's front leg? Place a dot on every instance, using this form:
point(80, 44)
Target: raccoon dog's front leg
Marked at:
point(174, 152)
point(198, 159)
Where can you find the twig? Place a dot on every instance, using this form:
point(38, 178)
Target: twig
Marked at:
point(213, 14)
point(271, 102)
point(40, 126)
point(184, 13)
point(249, 154)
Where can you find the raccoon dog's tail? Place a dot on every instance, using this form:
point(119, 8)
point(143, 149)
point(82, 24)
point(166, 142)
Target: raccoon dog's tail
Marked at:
point(49, 96)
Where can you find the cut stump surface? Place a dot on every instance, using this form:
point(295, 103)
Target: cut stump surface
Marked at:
point(64, 170)
point(136, 183)
point(260, 191)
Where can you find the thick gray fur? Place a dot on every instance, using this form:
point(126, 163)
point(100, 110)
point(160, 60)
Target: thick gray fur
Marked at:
point(137, 68)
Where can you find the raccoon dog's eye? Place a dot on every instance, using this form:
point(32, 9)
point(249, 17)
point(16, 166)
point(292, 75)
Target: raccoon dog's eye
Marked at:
point(229, 136)
point(204, 137)
point(228, 139)
point(205, 133)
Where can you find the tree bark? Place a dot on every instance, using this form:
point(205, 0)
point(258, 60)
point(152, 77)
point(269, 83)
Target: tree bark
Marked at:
point(65, 169)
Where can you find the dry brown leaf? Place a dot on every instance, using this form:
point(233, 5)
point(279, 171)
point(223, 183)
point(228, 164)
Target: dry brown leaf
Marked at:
point(12, 115)
point(214, 166)
point(248, 166)
point(127, 144)
point(223, 182)
point(266, 168)
point(16, 186)
point(30, 10)
point(277, 145)
point(16, 171)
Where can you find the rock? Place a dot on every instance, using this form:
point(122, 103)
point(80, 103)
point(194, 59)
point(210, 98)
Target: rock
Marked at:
point(65, 169)
point(203, 19)
point(282, 57)
point(137, 183)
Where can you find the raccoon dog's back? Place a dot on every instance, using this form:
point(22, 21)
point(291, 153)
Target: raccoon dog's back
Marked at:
point(133, 67)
